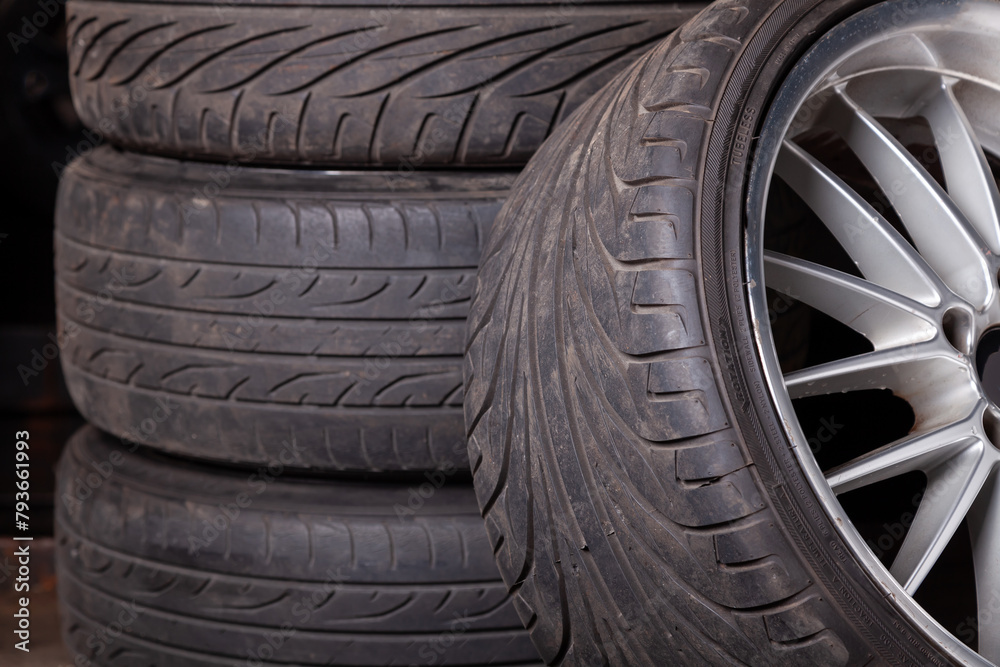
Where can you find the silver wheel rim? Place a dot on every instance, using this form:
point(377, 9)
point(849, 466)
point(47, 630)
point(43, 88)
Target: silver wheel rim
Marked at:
point(922, 303)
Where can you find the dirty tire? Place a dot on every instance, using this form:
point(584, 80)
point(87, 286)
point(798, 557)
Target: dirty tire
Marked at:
point(335, 84)
point(205, 567)
point(638, 492)
point(301, 316)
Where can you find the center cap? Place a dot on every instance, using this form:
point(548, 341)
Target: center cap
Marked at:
point(988, 364)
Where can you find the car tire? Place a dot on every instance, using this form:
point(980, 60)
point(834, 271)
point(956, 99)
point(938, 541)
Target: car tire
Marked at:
point(161, 562)
point(646, 501)
point(411, 84)
point(302, 315)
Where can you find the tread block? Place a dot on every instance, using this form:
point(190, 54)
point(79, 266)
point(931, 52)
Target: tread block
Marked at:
point(728, 20)
point(681, 400)
point(709, 461)
point(749, 544)
point(644, 311)
point(670, 288)
point(727, 499)
point(685, 78)
point(656, 229)
point(669, 145)
point(821, 647)
point(794, 623)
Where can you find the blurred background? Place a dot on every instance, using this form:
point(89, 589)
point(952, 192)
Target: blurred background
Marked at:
point(39, 132)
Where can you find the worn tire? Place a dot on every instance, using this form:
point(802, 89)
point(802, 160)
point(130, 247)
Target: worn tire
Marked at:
point(636, 482)
point(309, 316)
point(209, 567)
point(332, 84)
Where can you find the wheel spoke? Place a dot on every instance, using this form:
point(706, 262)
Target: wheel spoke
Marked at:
point(941, 233)
point(920, 452)
point(881, 253)
point(984, 528)
point(952, 488)
point(885, 318)
point(967, 174)
point(883, 369)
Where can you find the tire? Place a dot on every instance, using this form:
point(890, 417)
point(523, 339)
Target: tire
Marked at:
point(644, 498)
point(311, 572)
point(300, 316)
point(472, 84)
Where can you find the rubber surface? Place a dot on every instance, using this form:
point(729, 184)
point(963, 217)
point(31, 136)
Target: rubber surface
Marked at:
point(397, 85)
point(309, 315)
point(619, 441)
point(209, 567)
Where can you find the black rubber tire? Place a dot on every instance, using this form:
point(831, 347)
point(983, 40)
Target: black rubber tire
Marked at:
point(392, 83)
point(208, 567)
point(205, 329)
point(637, 485)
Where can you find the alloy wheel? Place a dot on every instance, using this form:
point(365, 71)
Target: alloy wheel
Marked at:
point(885, 139)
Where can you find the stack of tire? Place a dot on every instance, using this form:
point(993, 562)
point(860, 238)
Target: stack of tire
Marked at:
point(263, 275)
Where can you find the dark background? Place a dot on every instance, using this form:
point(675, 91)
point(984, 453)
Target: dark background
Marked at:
point(38, 128)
